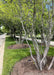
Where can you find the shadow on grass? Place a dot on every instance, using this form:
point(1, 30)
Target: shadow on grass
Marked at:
point(9, 39)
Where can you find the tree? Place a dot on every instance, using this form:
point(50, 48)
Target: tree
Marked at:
point(9, 16)
point(30, 14)
point(46, 30)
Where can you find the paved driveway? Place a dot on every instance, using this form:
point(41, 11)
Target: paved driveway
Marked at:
point(38, 40)
point(2, 43)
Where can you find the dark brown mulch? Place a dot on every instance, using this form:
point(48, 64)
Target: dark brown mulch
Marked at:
point(18, 46)
point(26, 67)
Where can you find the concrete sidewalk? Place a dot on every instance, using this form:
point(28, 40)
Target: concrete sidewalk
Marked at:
point(2, 44)
point(38, 40)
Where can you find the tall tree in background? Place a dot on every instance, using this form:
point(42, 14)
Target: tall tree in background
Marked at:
point(9, 15)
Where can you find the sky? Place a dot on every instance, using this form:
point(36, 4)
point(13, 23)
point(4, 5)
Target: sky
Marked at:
point(49, 6)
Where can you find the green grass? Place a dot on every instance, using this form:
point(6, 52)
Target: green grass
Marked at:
point(11, 56)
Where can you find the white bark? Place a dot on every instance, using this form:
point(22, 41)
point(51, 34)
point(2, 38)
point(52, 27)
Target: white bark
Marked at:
point(51, 64)
point(36, 48)
point(29, 47)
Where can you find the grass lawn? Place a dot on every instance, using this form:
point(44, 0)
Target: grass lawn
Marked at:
point(11, 56)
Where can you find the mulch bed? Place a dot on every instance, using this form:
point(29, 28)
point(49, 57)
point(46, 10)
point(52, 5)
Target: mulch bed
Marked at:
point(18, 46)
point(26, 67)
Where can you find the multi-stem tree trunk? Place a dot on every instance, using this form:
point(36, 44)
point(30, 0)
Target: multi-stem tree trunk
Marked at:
point(20, 38)
point(11, 32)
point(14, 32)
point(40, 60)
